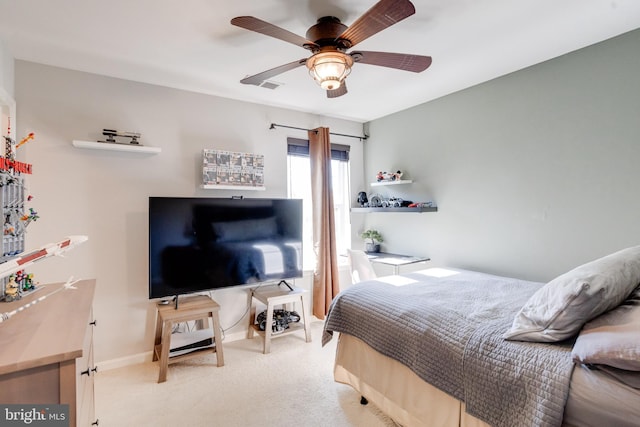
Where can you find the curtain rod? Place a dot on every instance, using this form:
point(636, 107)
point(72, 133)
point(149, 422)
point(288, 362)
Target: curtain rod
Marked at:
point(274, 125)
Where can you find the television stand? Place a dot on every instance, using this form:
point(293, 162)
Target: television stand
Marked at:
point(199, 307)
point(285, 282)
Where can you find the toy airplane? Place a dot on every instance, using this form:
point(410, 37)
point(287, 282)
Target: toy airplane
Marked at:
point(52, 249)
point(112, 134)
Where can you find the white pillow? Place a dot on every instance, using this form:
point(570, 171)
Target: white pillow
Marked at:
point(560, 308)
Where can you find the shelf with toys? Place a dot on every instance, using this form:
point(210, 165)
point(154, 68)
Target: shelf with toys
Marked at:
point(381, 203)
point(403, 210)
point(130, 148)
point(390, 178)
point(384, 182)
point(131, 144)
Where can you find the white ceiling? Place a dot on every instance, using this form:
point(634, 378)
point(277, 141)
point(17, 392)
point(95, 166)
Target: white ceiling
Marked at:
point(191, 45)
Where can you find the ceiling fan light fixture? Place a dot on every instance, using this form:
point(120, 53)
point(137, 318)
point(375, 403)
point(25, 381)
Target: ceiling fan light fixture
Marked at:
point(329, 69)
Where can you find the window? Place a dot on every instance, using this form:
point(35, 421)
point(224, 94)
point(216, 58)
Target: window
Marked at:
point(299, 185)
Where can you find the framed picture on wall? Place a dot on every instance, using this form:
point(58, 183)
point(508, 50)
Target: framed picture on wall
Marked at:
point(232, 169)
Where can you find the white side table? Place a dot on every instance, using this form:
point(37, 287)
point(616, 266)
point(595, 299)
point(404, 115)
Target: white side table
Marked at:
point(272, 296)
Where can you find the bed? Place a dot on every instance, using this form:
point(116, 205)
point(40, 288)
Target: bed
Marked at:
point(451, 347)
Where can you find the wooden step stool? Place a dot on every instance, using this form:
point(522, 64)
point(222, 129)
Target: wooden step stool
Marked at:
point(200, 308)
point(272, 296)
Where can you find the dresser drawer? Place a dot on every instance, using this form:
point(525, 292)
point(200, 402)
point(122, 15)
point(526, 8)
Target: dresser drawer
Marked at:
point(46, 348)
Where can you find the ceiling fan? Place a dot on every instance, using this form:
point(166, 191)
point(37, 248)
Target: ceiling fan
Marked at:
point(329, 39)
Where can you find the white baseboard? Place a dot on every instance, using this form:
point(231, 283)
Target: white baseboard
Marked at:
point(147, 356)
point(134, 359)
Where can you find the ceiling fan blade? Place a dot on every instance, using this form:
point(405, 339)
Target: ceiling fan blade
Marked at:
point(342, 90)
point(401, 61)
point(383, 14)
point(259, 78)
point(259, 26)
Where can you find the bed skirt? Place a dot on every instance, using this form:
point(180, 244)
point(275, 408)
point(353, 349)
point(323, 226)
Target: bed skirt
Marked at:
point(395, 389)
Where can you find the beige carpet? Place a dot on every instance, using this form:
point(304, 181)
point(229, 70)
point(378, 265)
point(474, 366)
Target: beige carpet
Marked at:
point(291, 386)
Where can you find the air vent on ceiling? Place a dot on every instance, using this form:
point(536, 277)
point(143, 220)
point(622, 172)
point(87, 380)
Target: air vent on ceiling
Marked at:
point(270, 85)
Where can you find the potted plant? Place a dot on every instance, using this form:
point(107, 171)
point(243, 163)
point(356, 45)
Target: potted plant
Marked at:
point(374, 237)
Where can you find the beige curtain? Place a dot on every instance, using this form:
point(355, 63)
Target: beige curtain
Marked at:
point(325, 276)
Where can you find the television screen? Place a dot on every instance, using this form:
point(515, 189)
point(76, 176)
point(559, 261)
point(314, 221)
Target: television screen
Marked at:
point(198, 244)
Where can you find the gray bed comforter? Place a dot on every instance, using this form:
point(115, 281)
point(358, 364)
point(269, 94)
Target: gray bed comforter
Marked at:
point(448, 330)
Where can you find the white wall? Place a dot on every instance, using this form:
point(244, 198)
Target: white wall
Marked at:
point(105, 194)
point(533, 173)
point(6, 71)
point(7, 102)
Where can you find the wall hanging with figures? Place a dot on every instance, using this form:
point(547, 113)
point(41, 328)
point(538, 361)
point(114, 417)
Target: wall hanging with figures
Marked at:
point(230, 169)
point(16, 215)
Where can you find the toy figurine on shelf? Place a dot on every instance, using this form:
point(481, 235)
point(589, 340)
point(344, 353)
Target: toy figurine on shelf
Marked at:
point(16, 228)
point(389, 176)
point(19, 276)
point(24, 281)
point(27, 218)
point(28, 284)
point(11, 291)
point(9, 229)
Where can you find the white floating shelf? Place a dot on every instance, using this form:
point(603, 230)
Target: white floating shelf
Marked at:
point(232, 187)
point(382, 183)
point(130, 148)
point(403, 210)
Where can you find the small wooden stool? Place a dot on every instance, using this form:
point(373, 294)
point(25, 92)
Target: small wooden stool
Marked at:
point(199, 307)
point(277, 295)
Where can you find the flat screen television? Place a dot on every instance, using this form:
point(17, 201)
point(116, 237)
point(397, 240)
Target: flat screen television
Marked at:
point(200, 244)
